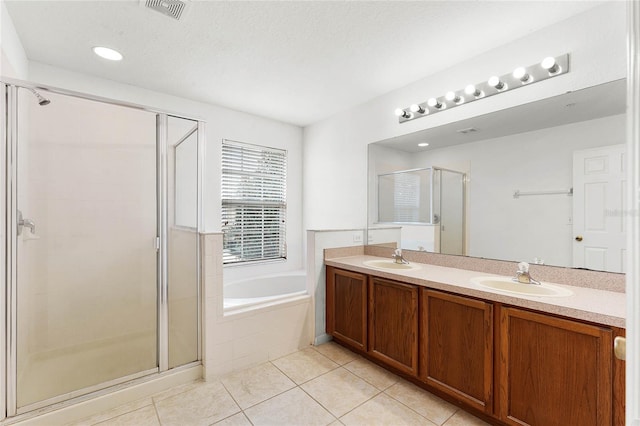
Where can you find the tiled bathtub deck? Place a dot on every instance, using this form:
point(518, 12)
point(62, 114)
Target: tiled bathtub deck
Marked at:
point(316, 386)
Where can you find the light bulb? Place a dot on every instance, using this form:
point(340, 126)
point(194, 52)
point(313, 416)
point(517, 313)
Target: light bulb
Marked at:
point(471, 90)
point(452, 96)
point(549, 63)
point(402, 113)
point(106, 53)
point(495, 82)
point(433, 102)
point(417, 108)
point(521, 74)
point(423, 144)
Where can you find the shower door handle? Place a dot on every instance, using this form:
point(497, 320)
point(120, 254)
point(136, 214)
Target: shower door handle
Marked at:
point(28, 223)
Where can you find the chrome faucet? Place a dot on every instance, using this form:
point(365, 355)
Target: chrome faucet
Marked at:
point(397, 256)
point(522, 275)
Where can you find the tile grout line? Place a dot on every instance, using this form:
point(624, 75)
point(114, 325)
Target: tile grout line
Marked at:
point(415, 411)
point(318, 402)
point(339, 366)
point(342, 366)
point(457, 409)
point(313, 378)
point(236, 402)
point(153, 404)
point(299, 386)
point(451, 416)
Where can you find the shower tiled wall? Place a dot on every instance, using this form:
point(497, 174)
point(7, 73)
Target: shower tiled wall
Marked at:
point(239, 340)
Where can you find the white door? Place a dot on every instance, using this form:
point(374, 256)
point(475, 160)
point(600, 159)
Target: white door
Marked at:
point(599, 182)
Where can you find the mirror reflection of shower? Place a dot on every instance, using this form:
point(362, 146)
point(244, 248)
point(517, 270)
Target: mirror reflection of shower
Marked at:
point(42, 101)
point(429, 204)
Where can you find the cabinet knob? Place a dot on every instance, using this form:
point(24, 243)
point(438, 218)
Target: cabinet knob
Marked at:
point(620, 347)
point(579, 238)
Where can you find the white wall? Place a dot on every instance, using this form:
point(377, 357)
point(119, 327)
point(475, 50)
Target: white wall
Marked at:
point(13, 60)
point(335, 150)
point(317, 241)
point(222, 123)
point(502, 227)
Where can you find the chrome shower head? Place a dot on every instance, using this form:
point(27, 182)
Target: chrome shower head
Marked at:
point(42, 101)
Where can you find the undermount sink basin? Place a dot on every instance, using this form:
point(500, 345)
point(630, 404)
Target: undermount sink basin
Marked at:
point(390, 265)
point(504, 284)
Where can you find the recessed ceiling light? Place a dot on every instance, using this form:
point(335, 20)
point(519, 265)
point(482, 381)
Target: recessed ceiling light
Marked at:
point(106, 53)
point(423, 144)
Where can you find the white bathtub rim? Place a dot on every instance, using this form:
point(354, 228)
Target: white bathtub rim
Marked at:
point(295, 272)
point(271, 305)
point(243, 304)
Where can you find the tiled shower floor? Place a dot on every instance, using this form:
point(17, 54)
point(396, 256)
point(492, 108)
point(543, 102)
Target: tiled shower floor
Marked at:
point(319, 385)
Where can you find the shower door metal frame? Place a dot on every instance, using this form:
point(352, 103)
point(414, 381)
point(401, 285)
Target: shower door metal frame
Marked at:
point(399, 172)
point(3, 277)
point(8, 299)
point(465, 179)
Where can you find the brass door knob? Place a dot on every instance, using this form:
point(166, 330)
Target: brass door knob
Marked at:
point(579, 238)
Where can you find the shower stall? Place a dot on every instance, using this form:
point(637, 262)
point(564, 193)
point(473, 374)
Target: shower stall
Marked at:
point(429, 205)
point(100, 220)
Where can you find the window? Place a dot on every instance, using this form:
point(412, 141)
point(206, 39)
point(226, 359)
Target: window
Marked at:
point(254, 204)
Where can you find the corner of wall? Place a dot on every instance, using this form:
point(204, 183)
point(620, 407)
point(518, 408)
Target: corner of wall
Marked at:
point(14, 62)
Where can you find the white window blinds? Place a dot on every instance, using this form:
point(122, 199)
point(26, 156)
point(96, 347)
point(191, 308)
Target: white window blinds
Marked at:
point(406, 197)
point(253, 202)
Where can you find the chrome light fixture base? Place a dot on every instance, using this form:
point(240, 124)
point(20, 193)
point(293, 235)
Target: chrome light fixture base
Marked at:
point(549, 67)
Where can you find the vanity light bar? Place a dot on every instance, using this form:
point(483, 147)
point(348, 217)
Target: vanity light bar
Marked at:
point(522, 76)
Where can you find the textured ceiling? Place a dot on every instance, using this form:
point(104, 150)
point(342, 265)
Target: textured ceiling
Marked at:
point(293, 61)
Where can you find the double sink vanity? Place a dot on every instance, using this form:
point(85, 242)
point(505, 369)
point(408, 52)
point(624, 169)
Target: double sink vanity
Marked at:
point(511, 353)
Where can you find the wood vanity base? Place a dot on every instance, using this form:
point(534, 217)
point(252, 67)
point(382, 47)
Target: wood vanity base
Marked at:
point(507, 365)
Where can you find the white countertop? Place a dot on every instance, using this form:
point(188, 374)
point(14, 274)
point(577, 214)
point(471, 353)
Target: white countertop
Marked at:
point(598, 306)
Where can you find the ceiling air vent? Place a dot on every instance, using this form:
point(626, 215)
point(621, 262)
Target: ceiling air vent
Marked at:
point(172, 8)
point(467, 130)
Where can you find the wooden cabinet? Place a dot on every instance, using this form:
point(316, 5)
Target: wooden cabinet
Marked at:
point(515, 366)
point(393, 324)
point(554, 371)
point(456, 347)
point(347, 307)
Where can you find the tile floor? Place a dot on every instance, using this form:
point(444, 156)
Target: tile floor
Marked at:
point(323, 385)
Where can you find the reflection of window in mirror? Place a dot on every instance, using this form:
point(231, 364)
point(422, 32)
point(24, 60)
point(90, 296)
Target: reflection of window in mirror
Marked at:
point(405, 196)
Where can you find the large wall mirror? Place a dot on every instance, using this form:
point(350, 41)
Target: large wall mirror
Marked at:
point(542, 182)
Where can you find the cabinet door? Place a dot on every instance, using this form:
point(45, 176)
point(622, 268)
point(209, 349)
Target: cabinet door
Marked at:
point(554, 371)
point(347, 307)
point(457, 347)
point(393, 324)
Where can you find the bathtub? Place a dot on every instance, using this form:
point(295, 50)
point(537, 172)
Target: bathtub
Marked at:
point(265, 290)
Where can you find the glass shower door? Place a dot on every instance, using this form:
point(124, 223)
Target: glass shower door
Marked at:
point(85, 297)
point(451, 202)
point(183, 244)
